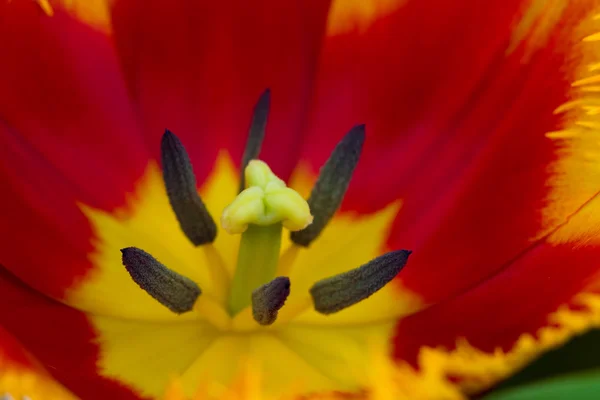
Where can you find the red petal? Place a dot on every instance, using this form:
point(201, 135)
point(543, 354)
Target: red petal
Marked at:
point(59, 337)
point(64, 94)
point(12, 353)
point(22, 375)
point(198, 67)
point(456, 127)
point(67, 135)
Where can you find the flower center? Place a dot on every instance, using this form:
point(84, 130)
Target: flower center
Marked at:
point(264, 206)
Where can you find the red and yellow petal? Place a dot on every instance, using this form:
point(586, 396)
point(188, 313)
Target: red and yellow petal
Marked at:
point(198, 68)
point(59, 337)
point(478, 338)
point(21, 375)
point(539, 283)
point(457, 117)
point(491, 201)
point(508, 199)
point(68, 134)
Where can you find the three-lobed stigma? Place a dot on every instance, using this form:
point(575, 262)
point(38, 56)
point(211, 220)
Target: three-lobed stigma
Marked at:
point(266, 201)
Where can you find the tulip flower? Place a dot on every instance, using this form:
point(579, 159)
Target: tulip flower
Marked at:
point(294, 199)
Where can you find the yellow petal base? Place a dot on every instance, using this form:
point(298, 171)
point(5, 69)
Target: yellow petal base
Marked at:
point(143, 345)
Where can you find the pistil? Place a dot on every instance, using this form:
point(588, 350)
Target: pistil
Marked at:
point(256, 264)
point(258, 213)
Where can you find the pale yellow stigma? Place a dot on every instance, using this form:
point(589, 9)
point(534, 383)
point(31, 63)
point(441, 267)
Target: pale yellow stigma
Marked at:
point(265, 201)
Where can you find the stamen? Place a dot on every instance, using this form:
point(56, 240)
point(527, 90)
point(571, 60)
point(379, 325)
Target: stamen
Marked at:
point(331, 186)
point(169, 288)
point(344, 290)
point(256, 134)
point(193, 217)
point(268, 299)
